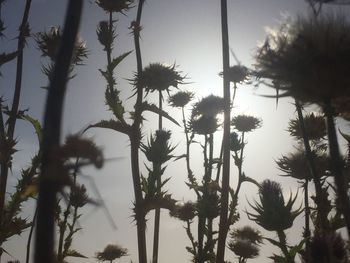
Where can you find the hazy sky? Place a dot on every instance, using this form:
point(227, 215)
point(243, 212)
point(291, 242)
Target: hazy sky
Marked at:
point(185, 32)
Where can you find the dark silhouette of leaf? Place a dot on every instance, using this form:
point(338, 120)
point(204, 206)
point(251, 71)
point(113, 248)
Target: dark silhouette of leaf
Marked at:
point(74, 253)
point(116, 61)
point(37, 126)
point(153, 108)
point(111, 124)
point(4, 58)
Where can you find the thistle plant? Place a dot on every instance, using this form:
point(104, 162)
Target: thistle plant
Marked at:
point(111, 253)
point(311, 47)
point(7, 132)
point(273, 214)
point(245, 243)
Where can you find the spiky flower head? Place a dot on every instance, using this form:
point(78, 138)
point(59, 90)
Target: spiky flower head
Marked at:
point(309, 58)
point(248, 233)
point(296, 165)
point(315, 127)
point(245, 123)
point(184, 212)
point(209, 106)
point(158, 150)
point(48, 43)
point(204, 125)
point(105, 35)
point(209, 206)
point(159, 77)
point(111, 252)
point(272, 213)
point(244, 248)
point(78, 196)
point(180, 99)
point(235, 142)
point(238, 74)
point(117, 6)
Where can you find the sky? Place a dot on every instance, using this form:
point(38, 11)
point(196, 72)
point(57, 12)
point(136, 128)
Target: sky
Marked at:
point(184, 32)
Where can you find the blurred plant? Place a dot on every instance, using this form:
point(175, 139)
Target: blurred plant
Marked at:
point(117, 6)
point(111, 253)
point(308, 59)
point(245, 243)
point(273, 214)
point(328, 248)
point(7, 128)
point(49, 42)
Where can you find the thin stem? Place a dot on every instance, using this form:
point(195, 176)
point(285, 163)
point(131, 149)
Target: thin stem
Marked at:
point(322, 213)
point(226, 138)
point(159, 183)
point(135, 137)
point(336, 165)
point(29, 241)
point(283, 246)
point(307, 233)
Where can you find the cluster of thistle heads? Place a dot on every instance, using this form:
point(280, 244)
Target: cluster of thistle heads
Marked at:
point(308, 59)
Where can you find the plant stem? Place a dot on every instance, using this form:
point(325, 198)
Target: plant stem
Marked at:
point(29, 241)
point(135, 137)
point(336, 165)
point(307, 233)
point(16, 98)
point(322, 213)
point(48, 179)
point(226, 138)
point(159, 183)
point(283, 246)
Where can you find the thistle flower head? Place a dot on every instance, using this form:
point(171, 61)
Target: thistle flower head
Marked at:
point(237, 74)
point(244, 248)
point(159, 77)
point(111, 252)
point(245, 123)
point(235, 142)
point(209, 206)
point(309, 58)
point(117, 6)
point(272, 213)
point(296, 165)
point(248, 233)
point(184, 212)
point(105, 35)
point(180, 99)
point(209, 106)
point(315, 127)
point(158, 150)
point(204, 125)
point(78, 196)
point(48, 43)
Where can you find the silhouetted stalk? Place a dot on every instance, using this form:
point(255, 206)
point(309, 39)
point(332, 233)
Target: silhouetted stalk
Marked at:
point(190, 236)
point(226, 138)
point(15, 101)
point(62, 231)
point(336, 165)
point(135, 137)
point(283, 246)
point(201, 216)
point(307, 233)
point(321, 212)
point(29, 241)
point(222, 142)
point(240, 165)
point(49, 179)
point(159, 182)
point(190, 175)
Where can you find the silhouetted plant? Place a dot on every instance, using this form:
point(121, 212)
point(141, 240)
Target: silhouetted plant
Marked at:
point(273, 214)
point(111, 253)
point(245, 243)
point(291, 57)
